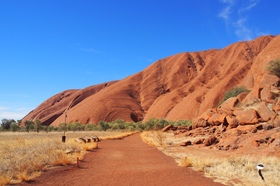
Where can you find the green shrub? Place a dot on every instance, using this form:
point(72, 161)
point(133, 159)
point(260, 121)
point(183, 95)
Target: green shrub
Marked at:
point(233, 93)
point(183, 123)
point(274, 67)
point(139, 126)
point(118, 124)
point(103, 125)
point(90, 127)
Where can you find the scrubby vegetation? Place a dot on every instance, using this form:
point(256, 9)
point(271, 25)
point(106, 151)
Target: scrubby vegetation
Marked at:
point(233, 93)
point(37, 126)
point(229, 170)
point(23, 156)
point(274, 67)
point(28, 149)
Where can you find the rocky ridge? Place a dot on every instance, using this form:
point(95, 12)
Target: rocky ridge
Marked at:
point(180, 87)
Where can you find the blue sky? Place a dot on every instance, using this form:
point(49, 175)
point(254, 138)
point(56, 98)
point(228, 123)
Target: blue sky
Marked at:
point(48, 46)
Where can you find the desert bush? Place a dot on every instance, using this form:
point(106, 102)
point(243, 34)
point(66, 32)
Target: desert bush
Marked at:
point(182, 123)
point(139, 126)
point(155, 124)
point(103, 125)
point(274, 67)
point(14, 127)
point(233, 93)
point(117, 124)
point(90, 127)
point(76, 126)
point(130, 126)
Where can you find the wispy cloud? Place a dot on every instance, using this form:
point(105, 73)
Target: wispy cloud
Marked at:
point(225, 13)
point(236, 16)
point(259, 33)
point(242, 31)
point(147, 59)
point(251, 4)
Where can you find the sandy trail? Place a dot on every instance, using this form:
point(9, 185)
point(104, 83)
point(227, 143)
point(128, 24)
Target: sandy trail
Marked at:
point(124, 162)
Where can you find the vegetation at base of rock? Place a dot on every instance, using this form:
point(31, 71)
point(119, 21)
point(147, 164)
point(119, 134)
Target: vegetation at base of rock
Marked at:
point(233, 93)
point(274, 67)
point(151, 124)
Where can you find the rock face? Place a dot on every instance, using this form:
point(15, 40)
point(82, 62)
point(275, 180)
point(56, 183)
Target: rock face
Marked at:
point(184, 86)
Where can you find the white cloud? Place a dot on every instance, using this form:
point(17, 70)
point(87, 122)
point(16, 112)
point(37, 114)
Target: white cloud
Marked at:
point(252, 4)
point(16, 114)
point(242, 31)
point(259, 33)
point(236, 17)
point(225, 13)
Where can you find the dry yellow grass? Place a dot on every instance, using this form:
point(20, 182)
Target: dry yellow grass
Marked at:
point(118, 136)
point(235, 170)
point(23, 156)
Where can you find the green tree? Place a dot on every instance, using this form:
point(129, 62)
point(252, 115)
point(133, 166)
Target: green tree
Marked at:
point(14, 127)
point(6, 123)
point(38, 125)
point(75, 126)
point(139, 126)
point(149, 125)
point(102, 125)
point(90, 127)
point(29, 125)
point(160, 124)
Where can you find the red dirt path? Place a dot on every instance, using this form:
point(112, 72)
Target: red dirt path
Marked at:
point(124, 162)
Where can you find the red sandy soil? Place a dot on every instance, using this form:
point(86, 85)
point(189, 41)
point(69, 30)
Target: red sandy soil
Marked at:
point(124, 162)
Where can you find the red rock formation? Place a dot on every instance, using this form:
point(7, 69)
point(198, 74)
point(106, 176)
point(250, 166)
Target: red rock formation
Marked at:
point(182, 86)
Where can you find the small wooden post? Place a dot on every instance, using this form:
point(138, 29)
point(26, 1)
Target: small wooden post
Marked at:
point(77, 163)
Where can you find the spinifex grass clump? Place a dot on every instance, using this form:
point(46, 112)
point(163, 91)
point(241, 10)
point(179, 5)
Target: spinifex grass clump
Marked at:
point(233, 93)
point(274, 67)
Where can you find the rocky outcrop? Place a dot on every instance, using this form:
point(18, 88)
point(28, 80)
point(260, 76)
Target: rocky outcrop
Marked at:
point(180, 87)
point(232, 114)
point(241, 126)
